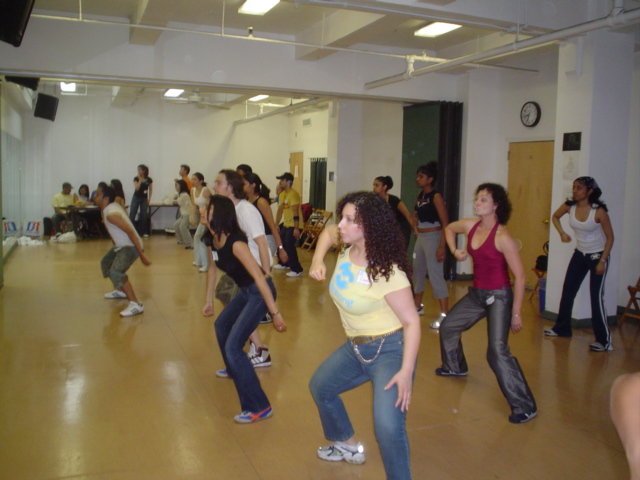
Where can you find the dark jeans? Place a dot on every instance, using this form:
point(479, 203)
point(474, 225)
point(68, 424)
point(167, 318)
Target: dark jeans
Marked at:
point(496, 306)
point(57, 219)
point(233, 326)
point(579, 266)
point(142, 226)
point(289, 244)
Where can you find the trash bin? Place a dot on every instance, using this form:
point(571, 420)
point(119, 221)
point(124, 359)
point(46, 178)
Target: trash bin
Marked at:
point(542, 292)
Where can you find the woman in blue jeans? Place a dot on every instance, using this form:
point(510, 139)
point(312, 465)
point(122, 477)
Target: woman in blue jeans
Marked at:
point(371, 289)
point(229, 251)
point(143, 189)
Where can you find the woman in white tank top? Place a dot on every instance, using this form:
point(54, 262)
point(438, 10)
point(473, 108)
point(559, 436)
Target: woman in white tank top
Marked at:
point(200, 194)
point(589, 219)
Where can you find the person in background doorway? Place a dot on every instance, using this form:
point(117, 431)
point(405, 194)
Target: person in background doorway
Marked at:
point(289, 208)
point(381, 186)
point(429, 251)
point(200, 194)
point(594, 239)
point(143, 189)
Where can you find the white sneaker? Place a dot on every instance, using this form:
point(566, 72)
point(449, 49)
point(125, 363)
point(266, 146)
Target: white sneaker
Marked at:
point(260, 357)
point(339, 451)
point(278, 266)
point(133, 309)
point(115, 294)
point(294, 274)
point(203, 270)
point(436, 325)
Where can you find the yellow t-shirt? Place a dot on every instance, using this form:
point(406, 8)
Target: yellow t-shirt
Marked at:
point(287, 199)
point(363, 309)
point(60, 200)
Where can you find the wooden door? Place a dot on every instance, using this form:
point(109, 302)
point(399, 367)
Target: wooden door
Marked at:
point(295, 167)
point(530, 180)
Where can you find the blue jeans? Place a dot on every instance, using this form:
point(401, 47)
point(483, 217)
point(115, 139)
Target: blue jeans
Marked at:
point(143, 221)
point(233, 327)
point(343, 371)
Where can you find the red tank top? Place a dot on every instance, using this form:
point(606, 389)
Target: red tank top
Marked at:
point(490, 270)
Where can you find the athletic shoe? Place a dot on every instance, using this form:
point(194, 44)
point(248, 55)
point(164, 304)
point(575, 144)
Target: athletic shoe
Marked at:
point(339, 451)
point(115, 294)
point(146, 235)
point(550, 332)
point(420, 309)
point(448, 373)
point(267, 318)
point(278, 266)
point(436, 325)
point(180, 242)
point(195, 264)
point(133, 309)
point(598, 347)
point(260, 357)
point(294, 274)
point(203, 270)
point(222, 373)
point(522, 417)
point(189, 247)
point(249, 417)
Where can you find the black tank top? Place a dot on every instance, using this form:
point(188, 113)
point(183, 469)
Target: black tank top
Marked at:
point(425, 207)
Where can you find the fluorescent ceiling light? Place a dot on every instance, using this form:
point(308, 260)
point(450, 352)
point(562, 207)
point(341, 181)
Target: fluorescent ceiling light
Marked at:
point(257, 7)
point(67, 87)
point(257, 98)
point(173, 92)
point(435, 29)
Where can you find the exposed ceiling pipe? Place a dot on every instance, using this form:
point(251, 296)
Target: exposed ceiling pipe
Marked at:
point(425, 58)
point(291, 108)
point(612, 20)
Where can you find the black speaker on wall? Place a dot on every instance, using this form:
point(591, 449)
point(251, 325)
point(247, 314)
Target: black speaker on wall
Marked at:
point(46, 107)
point(14, 16)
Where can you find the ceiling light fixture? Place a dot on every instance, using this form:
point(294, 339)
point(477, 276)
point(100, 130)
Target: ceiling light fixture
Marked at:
point(435, 29)
point(173, 93)
point(257, 7)
point(257, 98)
point(67, 87)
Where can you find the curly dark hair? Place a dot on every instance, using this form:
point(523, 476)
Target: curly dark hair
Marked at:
point(384, 243)
point(499, 196)
point(224, 219)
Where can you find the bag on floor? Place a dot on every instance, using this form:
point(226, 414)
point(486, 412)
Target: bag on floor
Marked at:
point(69, 237)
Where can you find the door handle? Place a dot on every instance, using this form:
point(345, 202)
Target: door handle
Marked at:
point(545, 221)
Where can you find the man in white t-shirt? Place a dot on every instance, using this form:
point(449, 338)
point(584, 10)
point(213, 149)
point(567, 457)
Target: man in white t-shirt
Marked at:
point(127, 247)
point(231, 185)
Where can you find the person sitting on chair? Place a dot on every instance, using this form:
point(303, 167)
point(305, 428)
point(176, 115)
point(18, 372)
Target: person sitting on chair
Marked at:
point(61, 201)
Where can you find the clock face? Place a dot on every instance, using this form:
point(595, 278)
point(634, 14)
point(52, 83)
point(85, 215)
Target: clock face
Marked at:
point(530, 114)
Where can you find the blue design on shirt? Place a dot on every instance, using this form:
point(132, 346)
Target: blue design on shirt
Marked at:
point(345, 276)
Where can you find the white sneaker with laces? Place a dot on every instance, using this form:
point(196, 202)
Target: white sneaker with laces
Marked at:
point(278, 266)
point(339, 451)
point(133, 309)
point(294, 274)
point(115, 294)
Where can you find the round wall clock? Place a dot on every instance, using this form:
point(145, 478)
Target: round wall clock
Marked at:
point(530, 114)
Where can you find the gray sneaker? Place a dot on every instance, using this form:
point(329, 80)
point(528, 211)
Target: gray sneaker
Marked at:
point(436, 325)
point(339, 451)
point(115, 294)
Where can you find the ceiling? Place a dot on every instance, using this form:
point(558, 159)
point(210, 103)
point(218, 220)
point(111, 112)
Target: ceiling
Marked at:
point(318, 28)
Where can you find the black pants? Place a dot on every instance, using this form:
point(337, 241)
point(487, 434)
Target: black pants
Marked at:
point(289, 244)
point(579, 266)
point(496, 306)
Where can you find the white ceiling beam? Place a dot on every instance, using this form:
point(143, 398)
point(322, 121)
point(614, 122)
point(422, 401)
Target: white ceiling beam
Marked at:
point(149, 12)
point(340, 29)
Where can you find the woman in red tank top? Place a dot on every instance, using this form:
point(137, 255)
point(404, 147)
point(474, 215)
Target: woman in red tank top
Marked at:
point(494, 252)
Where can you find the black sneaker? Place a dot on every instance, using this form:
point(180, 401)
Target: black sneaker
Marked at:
point(522, 417)
point(448, 373)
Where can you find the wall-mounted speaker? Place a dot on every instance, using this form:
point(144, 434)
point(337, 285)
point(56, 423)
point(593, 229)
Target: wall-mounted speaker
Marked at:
point(46, 107)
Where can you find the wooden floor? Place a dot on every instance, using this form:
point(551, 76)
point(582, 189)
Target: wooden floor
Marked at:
point(87, 395)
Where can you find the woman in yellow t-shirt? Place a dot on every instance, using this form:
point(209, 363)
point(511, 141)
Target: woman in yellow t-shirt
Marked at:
point(371, 289)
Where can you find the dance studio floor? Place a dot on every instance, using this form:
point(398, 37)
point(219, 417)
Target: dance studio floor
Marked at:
point(88, 395)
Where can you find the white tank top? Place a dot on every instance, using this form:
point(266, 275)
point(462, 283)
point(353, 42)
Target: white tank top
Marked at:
point(200, 200)
point(120, 238)
point(589, 235)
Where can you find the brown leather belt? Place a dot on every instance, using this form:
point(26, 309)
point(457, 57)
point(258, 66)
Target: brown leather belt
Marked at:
point(364, 339)
point(427, 230)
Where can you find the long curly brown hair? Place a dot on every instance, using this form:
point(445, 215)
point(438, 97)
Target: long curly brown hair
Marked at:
point(383, 240)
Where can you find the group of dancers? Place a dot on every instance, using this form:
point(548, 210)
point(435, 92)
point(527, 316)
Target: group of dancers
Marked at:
point(375, 290)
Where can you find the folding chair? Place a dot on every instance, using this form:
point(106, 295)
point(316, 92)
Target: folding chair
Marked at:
point(634, 296)
point(313, 228)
